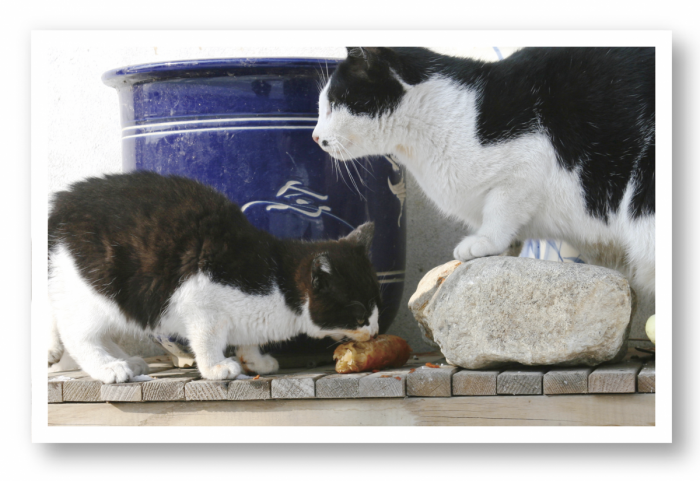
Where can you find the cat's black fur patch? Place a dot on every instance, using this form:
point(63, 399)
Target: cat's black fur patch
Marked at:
point(364, 83)
point(595, 104)
point(136, 237)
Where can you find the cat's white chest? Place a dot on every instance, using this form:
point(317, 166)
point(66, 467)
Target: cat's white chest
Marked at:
point(443, 189)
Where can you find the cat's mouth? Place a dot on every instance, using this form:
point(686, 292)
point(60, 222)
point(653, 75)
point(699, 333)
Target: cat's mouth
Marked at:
point(335, 148)
point(335, 152)
point(362, 337)
point(358, 335)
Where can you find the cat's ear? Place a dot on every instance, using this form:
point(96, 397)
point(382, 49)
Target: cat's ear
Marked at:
point(362, 235)
point(368, 54)
point(356, 52)
point(320, 270)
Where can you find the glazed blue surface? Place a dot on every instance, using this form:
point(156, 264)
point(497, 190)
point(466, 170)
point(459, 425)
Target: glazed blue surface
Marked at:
point(244, 126)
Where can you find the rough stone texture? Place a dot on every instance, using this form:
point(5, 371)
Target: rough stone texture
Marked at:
point(431, 283)
point(495, 310)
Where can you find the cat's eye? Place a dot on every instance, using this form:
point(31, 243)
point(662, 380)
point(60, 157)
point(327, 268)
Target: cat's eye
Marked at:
point(360, 322)
point(358, 311)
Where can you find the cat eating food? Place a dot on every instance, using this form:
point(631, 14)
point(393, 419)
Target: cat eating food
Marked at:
point(554, 143)
point(143, 252)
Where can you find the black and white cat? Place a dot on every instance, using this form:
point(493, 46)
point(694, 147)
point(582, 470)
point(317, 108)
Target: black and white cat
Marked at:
point(549, 143)
point(144, 252)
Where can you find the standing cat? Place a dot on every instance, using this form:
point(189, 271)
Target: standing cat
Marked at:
point(549, 143)
point(143, 252)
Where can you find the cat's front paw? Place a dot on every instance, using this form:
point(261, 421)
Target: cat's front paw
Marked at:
point(226, 369)
point(475, 246)
point(138, 366)
point(265, 364)
point(117, 371)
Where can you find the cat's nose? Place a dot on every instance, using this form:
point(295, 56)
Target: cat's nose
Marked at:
point(315, 137)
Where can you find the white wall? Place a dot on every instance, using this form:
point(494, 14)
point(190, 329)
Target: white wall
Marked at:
point(85, 140)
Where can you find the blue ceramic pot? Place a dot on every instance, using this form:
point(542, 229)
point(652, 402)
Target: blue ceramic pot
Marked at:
point(244, 127)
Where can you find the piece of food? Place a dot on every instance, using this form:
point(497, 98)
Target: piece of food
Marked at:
point(651, 328)
point(384, 351)
point(430, 364)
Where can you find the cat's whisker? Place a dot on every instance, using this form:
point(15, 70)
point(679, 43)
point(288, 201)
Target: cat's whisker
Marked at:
point(342, 161)
point(333, 168)
point(354, 166)
point(365, 160)
point(339, 171)
point(341, 147)
point(337, 162)
point(343, 138)
point(361, 163)
point(319, 79)
point(352, 179)
point(353, 162)
point(337, 343)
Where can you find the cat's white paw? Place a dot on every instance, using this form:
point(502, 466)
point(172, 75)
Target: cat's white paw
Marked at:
point(55, 355)
point(265, 364)
point(475, 246)
point(117, 371)
point(226, 369)
point(66, 363)
point(138, 366)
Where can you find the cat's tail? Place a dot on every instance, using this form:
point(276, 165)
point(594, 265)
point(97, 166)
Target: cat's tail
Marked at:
point(56, 348)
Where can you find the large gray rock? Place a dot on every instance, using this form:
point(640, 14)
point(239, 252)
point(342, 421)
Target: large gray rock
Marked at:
point(495, 310)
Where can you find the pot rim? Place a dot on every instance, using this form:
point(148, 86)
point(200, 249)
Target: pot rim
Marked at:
point(207, 68)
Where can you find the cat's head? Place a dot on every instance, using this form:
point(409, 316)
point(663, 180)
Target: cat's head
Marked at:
point(356, 106)
point(343, 294)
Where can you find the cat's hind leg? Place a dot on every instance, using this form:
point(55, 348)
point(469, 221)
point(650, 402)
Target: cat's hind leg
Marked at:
point(67, 363)
point(83, 318)
point(640, 235)
point(255, 361)
point(90, 347)
point(56, 348)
